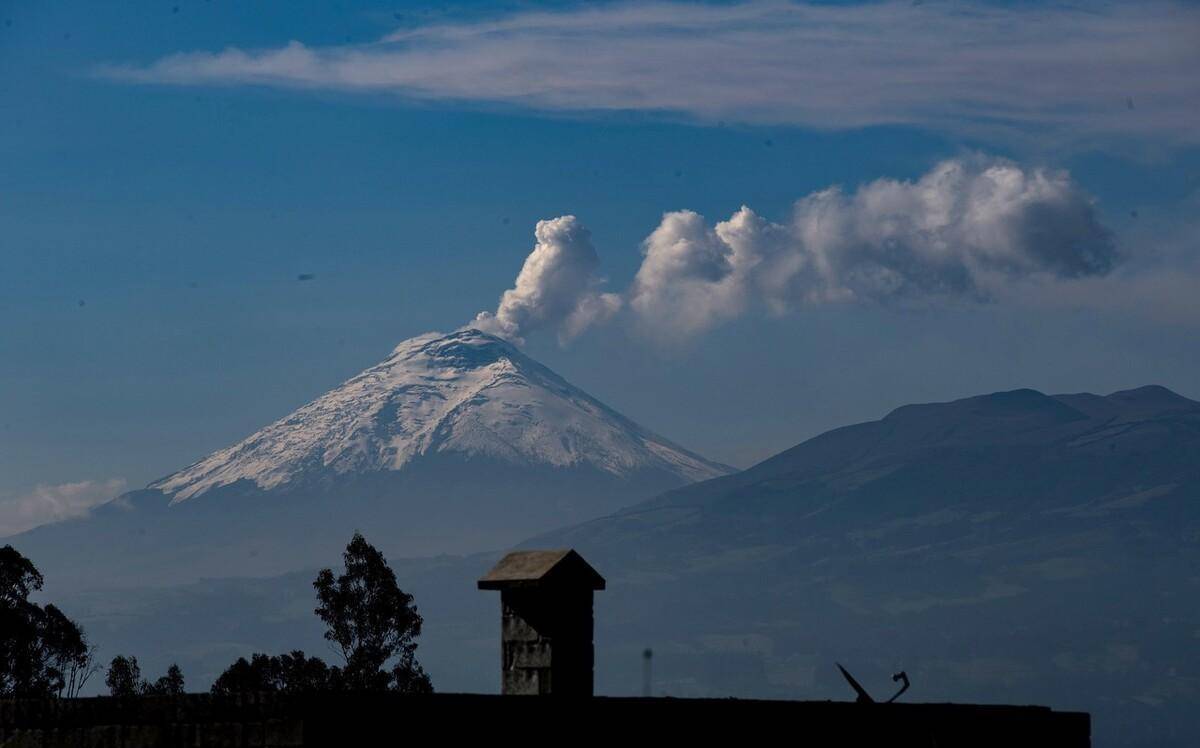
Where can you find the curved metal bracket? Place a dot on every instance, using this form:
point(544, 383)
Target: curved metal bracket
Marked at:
point(899, 676)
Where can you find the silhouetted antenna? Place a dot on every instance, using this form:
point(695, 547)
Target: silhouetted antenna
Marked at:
point(647, 682)
point(863, 696)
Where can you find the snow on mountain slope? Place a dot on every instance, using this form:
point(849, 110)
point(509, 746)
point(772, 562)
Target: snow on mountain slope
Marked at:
point(467, 392)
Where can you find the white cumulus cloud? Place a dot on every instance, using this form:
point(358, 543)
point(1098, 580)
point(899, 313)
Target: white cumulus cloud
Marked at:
point(557, 288)
point(964, 230)
point(53, 503)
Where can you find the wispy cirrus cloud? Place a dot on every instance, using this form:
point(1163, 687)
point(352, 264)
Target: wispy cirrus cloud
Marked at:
point(1093, 71)
point(53, 503)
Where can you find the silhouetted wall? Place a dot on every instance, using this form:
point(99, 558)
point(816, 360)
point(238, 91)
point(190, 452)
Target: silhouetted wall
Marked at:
point(546, 642)
point(375, 719)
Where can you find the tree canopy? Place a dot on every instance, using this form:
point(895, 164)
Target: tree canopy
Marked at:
point(124, 678)
point(288, 673)
point(42, 652)
point(370, 620)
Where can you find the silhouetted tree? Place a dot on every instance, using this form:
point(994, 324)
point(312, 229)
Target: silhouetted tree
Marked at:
point(409, 678)
point(298, 673)
point(372, 621)
point(124, 677)
point(18, 578)
point(289, 673)
point(42, 652)
point(256, 674)
point(170, 684)
point(71, 656)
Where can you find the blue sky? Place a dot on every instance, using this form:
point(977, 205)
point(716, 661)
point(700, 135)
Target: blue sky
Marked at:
point(169, 170)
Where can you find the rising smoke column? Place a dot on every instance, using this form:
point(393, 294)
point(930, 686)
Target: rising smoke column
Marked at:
point(965, 230)
point(557, 287)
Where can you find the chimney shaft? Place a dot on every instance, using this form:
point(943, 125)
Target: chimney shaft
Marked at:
point(546, 622)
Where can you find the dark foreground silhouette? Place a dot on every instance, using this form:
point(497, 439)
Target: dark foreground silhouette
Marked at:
point(378, 718)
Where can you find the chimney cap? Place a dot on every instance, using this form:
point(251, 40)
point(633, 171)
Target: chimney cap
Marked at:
point(541, 568)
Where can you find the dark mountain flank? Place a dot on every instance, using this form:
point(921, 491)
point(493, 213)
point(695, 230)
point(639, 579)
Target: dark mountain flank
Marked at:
point(1008, 547)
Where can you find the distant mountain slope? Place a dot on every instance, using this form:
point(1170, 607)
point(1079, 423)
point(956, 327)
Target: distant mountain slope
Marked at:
point(1009, 453)
point(1012, 547)
point(453, 443)
point(1013, 477)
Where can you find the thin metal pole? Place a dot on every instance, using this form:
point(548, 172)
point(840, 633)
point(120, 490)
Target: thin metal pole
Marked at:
point(647, 682)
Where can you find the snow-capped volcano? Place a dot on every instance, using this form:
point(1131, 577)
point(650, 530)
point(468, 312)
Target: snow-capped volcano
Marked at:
point(452, 444)
point(467, 393)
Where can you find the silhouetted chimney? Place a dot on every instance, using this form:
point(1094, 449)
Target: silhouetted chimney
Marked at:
point(545, 621)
